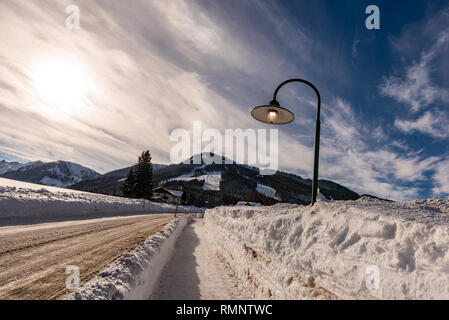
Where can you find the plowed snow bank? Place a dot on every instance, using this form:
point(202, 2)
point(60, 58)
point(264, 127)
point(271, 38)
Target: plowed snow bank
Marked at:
point(19, 200)
point(334, 250)
point(135, 274)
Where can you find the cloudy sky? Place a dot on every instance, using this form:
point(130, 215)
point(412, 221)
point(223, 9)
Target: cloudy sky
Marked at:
point(136, 70)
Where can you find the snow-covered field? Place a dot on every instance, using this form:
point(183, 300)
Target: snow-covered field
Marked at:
point(8, 183)
point(364, 249)
point(267, 191)
point(20, 200)
point(211, 181)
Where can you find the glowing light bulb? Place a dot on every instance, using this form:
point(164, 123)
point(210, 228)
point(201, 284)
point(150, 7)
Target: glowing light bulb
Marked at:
point(272, 115)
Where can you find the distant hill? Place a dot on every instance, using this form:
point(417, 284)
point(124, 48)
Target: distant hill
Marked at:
point(6, 166)
point(57, 173)
point(216, 184)
point(108, 183)
point(203, 184)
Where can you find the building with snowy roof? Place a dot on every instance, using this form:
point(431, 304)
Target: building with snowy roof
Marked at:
point(167, 196)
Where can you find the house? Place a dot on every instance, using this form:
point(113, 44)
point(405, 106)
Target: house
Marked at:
point(167, 196)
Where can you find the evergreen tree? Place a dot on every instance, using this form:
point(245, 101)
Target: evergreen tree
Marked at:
point(144, 176)
point(129, 185)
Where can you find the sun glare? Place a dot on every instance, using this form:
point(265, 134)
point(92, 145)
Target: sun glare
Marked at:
point(62, 85)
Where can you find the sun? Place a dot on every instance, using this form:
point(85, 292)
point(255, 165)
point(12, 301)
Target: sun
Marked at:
point(61, 84)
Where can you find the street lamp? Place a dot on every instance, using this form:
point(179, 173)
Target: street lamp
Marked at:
point(273, 113)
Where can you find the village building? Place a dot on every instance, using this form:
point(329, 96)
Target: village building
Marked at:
point(164, 195)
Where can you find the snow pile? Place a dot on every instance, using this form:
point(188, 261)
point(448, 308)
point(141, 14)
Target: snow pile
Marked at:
point(246, 203)
point(321, 197)
point(432, 204)
point(20, 200)
point(267, 191)
point(135, 274)
point(364, 249)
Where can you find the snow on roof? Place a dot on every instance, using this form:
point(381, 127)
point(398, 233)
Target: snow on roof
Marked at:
point(176, 193)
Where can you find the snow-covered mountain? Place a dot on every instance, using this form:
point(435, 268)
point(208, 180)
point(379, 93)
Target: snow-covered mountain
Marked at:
point(204, 184)
point(57, 173)
point(216, 184)
point(6, 166)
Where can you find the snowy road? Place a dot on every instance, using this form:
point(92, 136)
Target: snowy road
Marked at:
point(33, 259)
point(196, 271)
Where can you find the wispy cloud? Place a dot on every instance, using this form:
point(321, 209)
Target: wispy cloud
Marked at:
point(156, 66)
point(417, 88)
point(433, 124)
point(139, 95)
point(441, 178)
point(423, 48)
point(358, 155)
point(352, 157)
point(160, 65)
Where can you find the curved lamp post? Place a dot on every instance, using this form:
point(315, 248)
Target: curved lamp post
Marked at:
point(273, 113)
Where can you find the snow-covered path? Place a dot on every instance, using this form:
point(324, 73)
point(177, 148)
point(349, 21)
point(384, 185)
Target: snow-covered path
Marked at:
point(196, 270)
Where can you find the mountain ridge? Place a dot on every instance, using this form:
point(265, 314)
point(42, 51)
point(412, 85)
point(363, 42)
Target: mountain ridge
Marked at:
point(56, 173)
point(226, 183)
point(204, 183)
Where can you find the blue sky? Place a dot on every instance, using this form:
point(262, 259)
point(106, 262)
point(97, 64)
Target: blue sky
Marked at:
point(145, 68)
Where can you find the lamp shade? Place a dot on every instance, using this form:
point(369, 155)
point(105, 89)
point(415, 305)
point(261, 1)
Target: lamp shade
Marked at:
point(272, 114)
